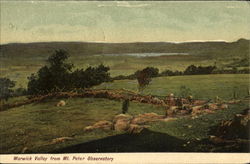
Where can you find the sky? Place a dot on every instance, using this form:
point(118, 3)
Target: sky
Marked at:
point(86, 21)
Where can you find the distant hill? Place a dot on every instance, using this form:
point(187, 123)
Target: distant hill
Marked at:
point(210, 49)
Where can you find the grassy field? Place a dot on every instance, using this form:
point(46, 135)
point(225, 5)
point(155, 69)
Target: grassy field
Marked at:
point(34, 126)
point(20, 68)
point(201, 86)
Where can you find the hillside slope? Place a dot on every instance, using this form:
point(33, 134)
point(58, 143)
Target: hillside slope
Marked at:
point(44, 49)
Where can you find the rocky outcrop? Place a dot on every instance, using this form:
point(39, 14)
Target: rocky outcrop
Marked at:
point(125, 122)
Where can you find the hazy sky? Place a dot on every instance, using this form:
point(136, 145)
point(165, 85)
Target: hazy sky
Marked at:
point(124, 21)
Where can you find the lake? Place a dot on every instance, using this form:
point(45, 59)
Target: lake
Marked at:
point(146, 54)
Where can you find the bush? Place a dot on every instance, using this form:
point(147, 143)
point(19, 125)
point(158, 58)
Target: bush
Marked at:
point(194, 70)
point(6, 90)
point(90, 77)
point(184, 91)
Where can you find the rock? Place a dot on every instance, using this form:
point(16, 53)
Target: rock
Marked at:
point(199, 102)
point(103, 125)
point(233, 101)
point(134, 128)
point(106, 125)
point(183, 112)
point(24, 150)
point(146, 117)
point(216, 140)
point(121, 122)
point(169, 119)
point(61, 139)
point(208, 111)
point(123, 117)
point(61, 103)
point(213, 106)
point(171, 111)
point(122, 125)
point(196, 109)
point(223, 106)
point(88, 128)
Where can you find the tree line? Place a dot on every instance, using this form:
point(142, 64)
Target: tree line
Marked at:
point(58, 75)
point(190, 70)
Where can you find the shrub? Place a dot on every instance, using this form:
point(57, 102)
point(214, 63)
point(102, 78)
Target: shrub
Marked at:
point(6, 88)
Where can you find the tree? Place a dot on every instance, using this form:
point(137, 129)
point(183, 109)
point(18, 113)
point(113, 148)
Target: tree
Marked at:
point(143, 78)
point(151, 71)
point(90, 77)
point(54, 76)
point(6, 90)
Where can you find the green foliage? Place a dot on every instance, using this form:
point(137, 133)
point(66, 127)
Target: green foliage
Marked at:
point(90, 77)
point(194, 70)
point(168, 72)
point(184, 91)
point(58, 76)
point(52, 77)
point(6, 88)
point(143, 78)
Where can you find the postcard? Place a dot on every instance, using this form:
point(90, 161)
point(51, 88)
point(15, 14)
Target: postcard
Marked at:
point(124, 81)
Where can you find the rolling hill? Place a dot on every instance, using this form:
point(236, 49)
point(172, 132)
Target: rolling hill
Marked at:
point(210, 49)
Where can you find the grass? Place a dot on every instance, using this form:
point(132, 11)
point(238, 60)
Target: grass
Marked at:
point(20, 68)
point(192, 128)
point(201, 86)
point(36, 125)
point(185, 134)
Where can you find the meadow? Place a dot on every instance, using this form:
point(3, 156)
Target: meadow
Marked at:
point(200, 86)
point(20, 68)
point(35, 125)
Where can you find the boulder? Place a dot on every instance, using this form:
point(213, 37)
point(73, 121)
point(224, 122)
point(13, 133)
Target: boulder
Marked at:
point(184, 112)
point(121, 122)
point(105, 125)
point(223, 106)
point(172, 110)
point(213, 106)
point(233, 101)
point(61, 103)
point(199, 102)
point(88, 128)
point(196, 109)
point(61, 139)
point(146, 117)
point(122, 117)
point(121, 125)
point(134, 128)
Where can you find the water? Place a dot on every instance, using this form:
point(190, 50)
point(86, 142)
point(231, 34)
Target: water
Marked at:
point(146, 54)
